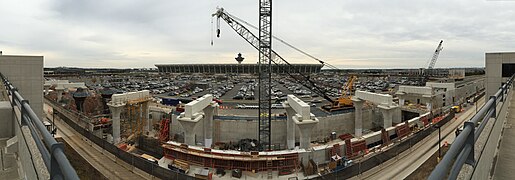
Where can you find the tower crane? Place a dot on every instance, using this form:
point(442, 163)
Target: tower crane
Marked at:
point(265, 72)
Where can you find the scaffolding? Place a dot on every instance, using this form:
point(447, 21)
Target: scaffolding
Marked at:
point(136, 116)
point(246, 161)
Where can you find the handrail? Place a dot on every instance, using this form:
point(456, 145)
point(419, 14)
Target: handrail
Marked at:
point(462, 149)
point(51, 151)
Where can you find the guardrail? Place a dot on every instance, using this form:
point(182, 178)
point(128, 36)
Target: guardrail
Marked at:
point(462, 149)
point(51, 151)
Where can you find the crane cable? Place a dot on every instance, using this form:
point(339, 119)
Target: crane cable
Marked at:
point(284, 42)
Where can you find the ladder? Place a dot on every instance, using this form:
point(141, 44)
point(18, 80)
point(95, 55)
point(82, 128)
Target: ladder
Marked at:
point(269, 165)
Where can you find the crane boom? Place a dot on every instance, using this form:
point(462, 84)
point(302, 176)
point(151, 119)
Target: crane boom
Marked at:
point(276, 58)
point(283, 41)
point(435, 56)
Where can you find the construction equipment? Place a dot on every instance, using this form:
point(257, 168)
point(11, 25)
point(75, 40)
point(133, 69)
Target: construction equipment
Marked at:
point(431, 65)
point(344, 101)
point(456, 109)
point(276, 58)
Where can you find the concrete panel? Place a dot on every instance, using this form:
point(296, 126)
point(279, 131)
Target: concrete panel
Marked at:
point(7, 125)
point(376, 98)
point(416, 90)
point(197, 105)
point(299, 106)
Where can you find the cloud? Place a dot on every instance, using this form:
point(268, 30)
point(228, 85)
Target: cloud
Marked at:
point(348, 34)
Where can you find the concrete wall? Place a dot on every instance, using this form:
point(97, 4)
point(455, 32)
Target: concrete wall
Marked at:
point(234, 130)
point(493, 63)
point(26, 73)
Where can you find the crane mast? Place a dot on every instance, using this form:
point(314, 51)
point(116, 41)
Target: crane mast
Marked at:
point(265, 73)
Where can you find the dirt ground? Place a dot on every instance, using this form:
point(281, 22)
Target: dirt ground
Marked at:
point(425, 170)
point(83, 168)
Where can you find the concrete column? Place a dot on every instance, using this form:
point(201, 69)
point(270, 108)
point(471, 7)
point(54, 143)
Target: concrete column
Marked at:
point(115, 112)
point(305, 126)
point(208, 124)
point(429, 106)
point(290, 126)
point(45, 90)
point(188, 124)
point(387, 116)
point(59, 93)
point(401, 102)
point(358, 117)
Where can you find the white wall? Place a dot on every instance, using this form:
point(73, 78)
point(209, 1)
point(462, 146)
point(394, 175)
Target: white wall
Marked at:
point(26, 73)
point(493, 63)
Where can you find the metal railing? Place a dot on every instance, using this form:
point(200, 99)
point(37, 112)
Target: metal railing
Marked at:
point(462, 149)
point(51, 151)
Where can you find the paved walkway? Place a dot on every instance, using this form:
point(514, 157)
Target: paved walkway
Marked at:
point(505, 168)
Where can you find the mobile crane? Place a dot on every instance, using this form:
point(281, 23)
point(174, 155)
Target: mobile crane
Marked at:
point(431, 65)
point(344, 101)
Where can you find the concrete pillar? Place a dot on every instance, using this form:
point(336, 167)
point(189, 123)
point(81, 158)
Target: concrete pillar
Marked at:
point(305, 126)
point(45, 90)
point(188, 124)
point(429, 106)
point(59, 93)
point(290, 125)
point(115, 112)
point(387, 116)
point(358, 117)
point(208, 124)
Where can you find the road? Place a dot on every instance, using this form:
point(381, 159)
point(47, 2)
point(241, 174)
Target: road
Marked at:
point(103, 161)
point(409, 161)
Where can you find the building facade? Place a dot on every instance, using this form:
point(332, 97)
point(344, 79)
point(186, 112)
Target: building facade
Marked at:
point(236, 68)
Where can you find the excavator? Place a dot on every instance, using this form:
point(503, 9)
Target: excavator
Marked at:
point(343, 102)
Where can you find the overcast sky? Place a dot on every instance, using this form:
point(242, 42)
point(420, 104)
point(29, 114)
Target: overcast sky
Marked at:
point(345, 33)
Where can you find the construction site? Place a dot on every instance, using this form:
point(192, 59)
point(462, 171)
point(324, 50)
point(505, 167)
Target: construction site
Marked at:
point(272, 120)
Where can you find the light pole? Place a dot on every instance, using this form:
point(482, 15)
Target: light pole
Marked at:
point(439, 146)
point(476, 99)
point(53, 122)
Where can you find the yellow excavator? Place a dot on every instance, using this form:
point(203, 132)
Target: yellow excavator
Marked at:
point(344, 101)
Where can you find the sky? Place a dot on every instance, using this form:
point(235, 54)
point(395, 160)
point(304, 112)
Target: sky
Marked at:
point(344, 33)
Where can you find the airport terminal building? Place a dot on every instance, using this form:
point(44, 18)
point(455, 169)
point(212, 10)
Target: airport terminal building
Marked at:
point(236, 68)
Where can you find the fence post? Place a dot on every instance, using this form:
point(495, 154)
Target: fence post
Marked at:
point(470, 141)
point(494, 107)
point(55, 169)
point(13, 103)
point(502, 94)
point(23, 112)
